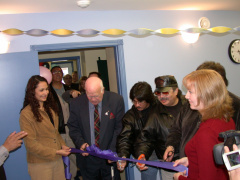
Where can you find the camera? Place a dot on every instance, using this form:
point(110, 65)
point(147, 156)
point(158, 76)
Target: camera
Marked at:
point(230, 137)
point(232, 160)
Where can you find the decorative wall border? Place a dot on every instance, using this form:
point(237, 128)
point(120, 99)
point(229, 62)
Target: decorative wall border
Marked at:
point(115, 32)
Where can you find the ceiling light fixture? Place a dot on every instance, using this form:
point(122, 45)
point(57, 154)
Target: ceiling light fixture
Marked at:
point(83, 3)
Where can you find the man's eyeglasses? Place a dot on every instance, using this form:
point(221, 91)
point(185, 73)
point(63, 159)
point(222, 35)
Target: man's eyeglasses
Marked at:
point(158, 93)
point(57, 72)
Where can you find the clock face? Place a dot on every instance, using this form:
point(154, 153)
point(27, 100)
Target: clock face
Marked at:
point(234, 51)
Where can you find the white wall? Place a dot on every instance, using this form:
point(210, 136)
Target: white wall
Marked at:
point(145, 57)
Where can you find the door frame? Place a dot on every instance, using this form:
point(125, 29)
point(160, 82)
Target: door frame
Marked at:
point(77, 58)
point(119, 58)
point(119, 61)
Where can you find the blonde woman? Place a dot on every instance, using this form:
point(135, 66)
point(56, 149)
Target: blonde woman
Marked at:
point(207, 93)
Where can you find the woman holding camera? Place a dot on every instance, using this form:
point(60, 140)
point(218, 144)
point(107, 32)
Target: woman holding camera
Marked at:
point(45, 147)
point(206, 93)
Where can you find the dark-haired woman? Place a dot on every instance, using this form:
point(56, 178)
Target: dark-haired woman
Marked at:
point(44, 144)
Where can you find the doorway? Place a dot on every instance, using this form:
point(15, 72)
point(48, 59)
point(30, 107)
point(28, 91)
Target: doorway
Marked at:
point(114, 49)
point(84, 61)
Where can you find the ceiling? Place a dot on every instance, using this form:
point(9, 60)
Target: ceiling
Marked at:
point(43, 6)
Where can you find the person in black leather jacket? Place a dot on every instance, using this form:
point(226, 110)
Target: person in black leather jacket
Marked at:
point(144, 108)
point(156, 130)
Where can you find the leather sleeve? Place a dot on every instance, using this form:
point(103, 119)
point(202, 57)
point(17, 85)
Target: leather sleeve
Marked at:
point(236, 107)
point(183, 129)
point(152, 137)
point(175, 133)
point(126, 138)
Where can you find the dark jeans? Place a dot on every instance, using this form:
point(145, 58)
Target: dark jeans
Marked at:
point(94, 168)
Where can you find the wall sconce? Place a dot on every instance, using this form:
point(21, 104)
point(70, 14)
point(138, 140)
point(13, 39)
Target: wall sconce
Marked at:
point(189, 37)
point(83, 3)
point(4, 44)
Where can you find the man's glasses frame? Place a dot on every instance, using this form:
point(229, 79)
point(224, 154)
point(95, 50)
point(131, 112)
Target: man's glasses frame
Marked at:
point(158, 93)
point(57, 72)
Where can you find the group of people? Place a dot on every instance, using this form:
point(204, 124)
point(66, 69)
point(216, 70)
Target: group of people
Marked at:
point(161, 125)
point(188, 132)
point(72, 82)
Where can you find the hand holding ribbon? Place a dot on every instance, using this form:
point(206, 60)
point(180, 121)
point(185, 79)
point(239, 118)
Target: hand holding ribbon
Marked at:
point(140, 166)
point(108, 154)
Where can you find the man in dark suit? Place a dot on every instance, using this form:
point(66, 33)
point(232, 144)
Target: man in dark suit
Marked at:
point(81, 123)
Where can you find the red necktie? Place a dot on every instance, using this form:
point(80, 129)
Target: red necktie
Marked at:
point(96, 126)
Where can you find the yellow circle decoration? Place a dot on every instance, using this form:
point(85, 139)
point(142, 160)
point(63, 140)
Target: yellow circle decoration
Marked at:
point(220, 29)
point(113, 31)
point(167, 31)
point(62, 32)
point(13, 31)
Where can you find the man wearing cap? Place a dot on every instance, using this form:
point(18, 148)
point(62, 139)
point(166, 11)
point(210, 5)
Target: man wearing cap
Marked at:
point(155, 132)
point(169, 95)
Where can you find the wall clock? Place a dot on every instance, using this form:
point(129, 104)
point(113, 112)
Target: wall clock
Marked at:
point(234, 51)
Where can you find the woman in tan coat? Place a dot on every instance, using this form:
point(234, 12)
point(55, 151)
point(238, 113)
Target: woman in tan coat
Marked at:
point(45, 147)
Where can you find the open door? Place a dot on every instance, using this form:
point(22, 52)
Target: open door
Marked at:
point(15, 70)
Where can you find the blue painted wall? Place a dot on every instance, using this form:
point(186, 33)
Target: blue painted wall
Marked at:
point(16, 69)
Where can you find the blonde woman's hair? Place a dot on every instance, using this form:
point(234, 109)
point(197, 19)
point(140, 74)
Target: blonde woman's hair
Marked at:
point(212, 92)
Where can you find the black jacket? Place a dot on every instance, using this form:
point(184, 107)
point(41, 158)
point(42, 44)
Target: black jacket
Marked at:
point(236, 107)
point(183, 129)
point(133, 123)
point(155, 133)
point(155, 129)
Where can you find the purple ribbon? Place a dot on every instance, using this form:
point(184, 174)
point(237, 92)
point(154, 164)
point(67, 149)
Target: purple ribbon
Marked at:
point(66, 162)
point(108, 154)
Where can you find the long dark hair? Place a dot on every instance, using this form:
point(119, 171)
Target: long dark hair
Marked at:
point(142, 91)
point(31, 100)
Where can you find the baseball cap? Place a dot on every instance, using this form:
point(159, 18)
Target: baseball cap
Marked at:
point(165, 83)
